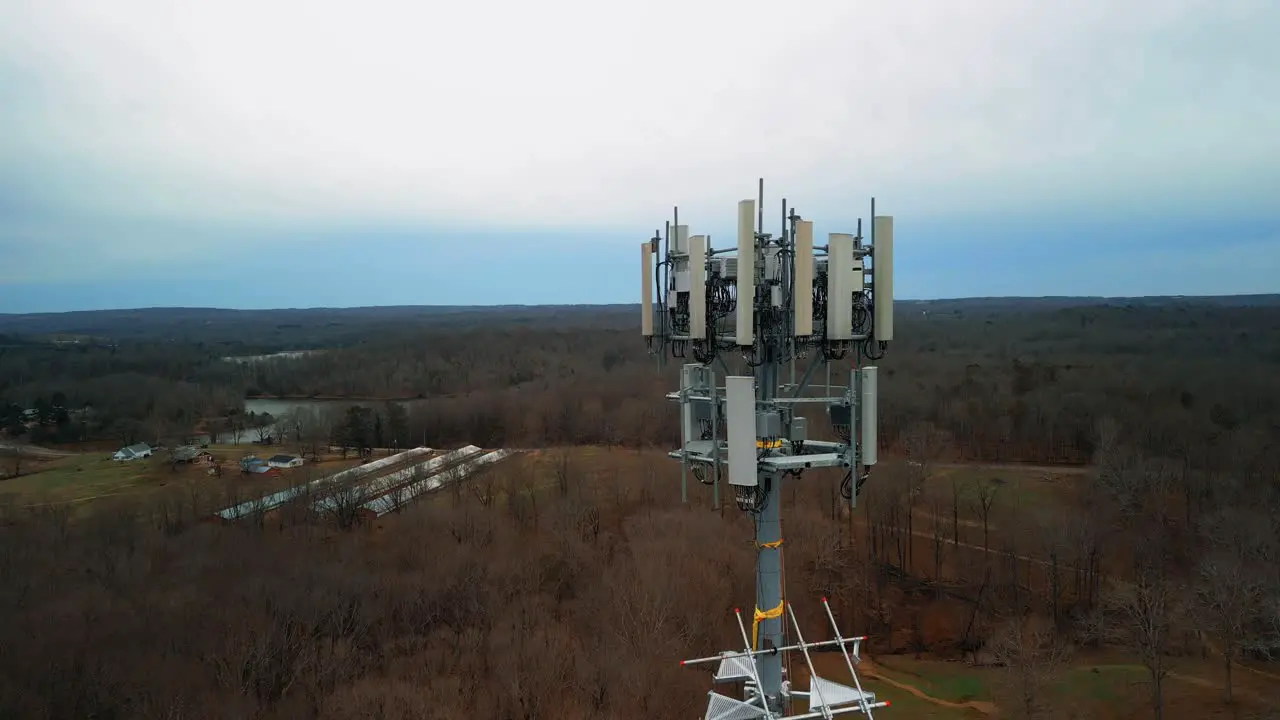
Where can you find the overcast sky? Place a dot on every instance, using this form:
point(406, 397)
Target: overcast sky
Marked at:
point(282, 154)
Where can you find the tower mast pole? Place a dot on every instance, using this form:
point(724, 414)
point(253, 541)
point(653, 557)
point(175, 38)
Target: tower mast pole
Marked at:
point(774, 299)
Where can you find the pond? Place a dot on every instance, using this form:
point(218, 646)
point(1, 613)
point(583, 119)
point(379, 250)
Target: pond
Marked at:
point(280, 407)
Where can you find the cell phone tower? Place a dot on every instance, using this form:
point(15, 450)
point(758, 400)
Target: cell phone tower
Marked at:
point(773, 302)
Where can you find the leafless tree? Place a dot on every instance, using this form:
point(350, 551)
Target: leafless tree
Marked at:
point(923, 444)
point(985, 498)
point(1129, 482)
point(939, 537)
point(257, 511)
point(562, 468)
point(299, 509)
point(398, 495)
point(450, 478)
point(1055, 543)
point(264, 425)
point(960, 490)
point(159, 425)
point(290, 426)
point(171, 458)
point(884, 503)
point(215, 427)
point(167, 514)
point(1146, 614)
point(236, 423)
point(1032, 657)
point(1233, 583)
point(529, 487)
point(484, 486)
point(521, 493)
point(346, 502)
point(195, 496)
point(310, 431)
point(17, 454)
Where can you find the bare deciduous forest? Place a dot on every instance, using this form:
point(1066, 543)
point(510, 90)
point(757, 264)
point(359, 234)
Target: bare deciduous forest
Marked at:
point(569, 581)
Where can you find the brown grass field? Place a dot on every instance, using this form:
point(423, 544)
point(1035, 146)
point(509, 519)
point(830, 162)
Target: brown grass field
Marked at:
point(929, 680)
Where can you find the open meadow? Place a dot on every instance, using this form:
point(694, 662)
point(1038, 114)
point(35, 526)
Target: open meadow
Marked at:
point(80, 481)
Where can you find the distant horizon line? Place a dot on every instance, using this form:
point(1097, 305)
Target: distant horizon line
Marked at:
point(501, 306)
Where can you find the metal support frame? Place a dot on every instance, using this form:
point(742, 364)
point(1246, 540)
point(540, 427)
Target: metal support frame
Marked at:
point(779, 451)
point(827, 699)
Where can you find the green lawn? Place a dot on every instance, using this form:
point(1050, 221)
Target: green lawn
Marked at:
point(943, 681)
point(1013, 488)
point(904, 704)
point(1101, 683)
point(82, 477)
point(950, 681)
point(1084, 685)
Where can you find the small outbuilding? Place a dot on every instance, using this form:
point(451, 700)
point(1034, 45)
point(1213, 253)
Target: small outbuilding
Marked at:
point(252, 464)
point(284, 461)
point(191, 454)
point(132, 452)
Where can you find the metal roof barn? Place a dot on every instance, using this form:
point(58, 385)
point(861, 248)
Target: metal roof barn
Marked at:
point(384, 484)
point(383, 505)
point(275, 500)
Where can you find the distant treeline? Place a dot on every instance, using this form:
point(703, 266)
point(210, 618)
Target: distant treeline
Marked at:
point(1009, 380)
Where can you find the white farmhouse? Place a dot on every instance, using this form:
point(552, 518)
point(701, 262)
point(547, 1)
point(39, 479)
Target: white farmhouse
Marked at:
point(284, 461)
point(132, 452)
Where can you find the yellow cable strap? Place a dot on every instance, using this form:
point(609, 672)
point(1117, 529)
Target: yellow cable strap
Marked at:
point(763, 615)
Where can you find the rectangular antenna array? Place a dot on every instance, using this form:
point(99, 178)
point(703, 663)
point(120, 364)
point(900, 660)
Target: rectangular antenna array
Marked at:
point(695, 382)
point(750, 431)
point(646, 289)
point(698, 287)
point(679, 265)
point(840, 286)
point(746, 273)
point(803, 295)
point(868, 403)
point(740, 411)
point(882, 276)
point(680, 239)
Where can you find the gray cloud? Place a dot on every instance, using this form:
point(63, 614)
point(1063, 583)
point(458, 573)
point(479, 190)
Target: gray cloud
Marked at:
point(132, 128)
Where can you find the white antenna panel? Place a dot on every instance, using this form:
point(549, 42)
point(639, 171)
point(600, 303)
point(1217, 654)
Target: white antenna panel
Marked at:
point(726, 266)
point(680, 239)
point(746, 273)
point(840, 284)
point(698, 287)
point(803, 294)
point(773, 260)
point(740, 430)
point(688, 431)
point(882, 276)
point(870, 412)
point(646, 289)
